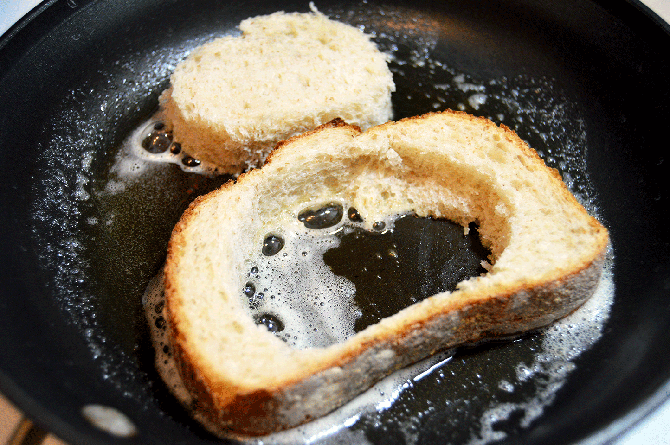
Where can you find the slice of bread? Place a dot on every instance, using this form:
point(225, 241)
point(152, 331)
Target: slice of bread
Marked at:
point(231, 100)
point(547, 256)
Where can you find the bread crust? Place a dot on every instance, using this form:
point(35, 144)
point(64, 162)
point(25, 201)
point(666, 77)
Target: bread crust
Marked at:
point(332, 376)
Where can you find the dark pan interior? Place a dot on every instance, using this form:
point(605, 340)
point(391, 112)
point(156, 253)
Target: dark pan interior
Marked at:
point(77, 77)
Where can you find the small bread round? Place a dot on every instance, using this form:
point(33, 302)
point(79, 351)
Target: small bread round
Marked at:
point(234, 98)
point(547, 255)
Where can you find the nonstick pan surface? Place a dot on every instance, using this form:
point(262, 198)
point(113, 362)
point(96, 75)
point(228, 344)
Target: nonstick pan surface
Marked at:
point(585, 83)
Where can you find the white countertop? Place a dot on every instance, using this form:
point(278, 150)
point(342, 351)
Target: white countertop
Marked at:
point(653, 430)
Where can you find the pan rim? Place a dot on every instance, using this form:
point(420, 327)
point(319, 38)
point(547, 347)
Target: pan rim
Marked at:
point(62, 428)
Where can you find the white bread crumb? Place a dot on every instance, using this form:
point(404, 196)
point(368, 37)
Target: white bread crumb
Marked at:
point(234, 98)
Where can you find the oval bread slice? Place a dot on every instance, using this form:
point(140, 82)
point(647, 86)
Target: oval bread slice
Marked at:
point(547, 256)
point(234, 98)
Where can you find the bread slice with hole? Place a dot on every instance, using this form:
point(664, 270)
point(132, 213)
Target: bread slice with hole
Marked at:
point(547, 254)
point(231, 100)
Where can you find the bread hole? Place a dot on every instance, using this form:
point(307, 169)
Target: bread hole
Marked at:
point(420, 257)
point(323, 292)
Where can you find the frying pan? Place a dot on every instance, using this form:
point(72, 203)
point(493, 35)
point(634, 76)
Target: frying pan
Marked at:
point(584, 82)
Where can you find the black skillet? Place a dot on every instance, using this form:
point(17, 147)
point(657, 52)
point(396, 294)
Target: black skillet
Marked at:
point(77, 76)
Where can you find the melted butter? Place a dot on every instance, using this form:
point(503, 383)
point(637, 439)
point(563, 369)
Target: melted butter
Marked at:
point(151, 143)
